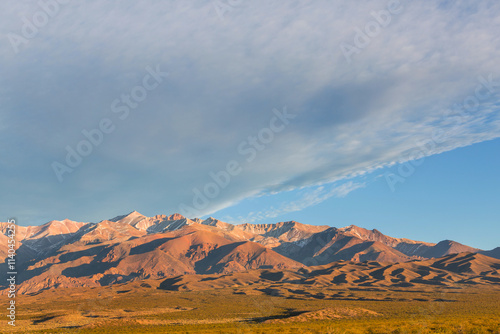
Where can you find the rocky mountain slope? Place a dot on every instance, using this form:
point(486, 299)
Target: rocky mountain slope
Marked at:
point(456, 270)
point(130, 247)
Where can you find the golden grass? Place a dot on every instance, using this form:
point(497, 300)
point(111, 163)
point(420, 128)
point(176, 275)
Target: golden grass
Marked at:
point(132, 308)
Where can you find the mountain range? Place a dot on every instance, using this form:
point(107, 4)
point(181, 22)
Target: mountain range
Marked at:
point(135, 247)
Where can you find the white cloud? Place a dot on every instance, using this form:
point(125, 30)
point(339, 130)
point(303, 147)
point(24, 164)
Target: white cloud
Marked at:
point(225, 78)
point(308, 199)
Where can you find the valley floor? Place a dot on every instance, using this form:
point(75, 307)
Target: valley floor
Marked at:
point(140, 307)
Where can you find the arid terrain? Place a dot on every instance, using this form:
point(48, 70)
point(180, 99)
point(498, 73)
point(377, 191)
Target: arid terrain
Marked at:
point(135, 247)
point(172, 274)
point(269, 301)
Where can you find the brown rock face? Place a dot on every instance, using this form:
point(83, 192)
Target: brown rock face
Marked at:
point(130, 247)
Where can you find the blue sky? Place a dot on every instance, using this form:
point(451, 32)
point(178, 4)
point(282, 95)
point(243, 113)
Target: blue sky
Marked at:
point(303, 109)
point(453, 195)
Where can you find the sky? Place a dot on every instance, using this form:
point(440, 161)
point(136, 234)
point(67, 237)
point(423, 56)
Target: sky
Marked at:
point(382, 114)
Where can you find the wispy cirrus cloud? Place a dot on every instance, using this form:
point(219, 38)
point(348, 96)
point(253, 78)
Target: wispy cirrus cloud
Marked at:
point(308, 198)
point(225, 78)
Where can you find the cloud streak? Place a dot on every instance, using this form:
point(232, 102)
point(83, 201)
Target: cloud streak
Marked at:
point(225, 78)
point(308, 199)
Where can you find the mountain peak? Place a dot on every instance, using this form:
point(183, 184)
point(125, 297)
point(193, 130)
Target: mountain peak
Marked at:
point(132, 215)
point(210, 221)
point(65, 221)
point(447, 247)
point(447, 242)
point(354, 230)
point(176, 216)
point(351, 228)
